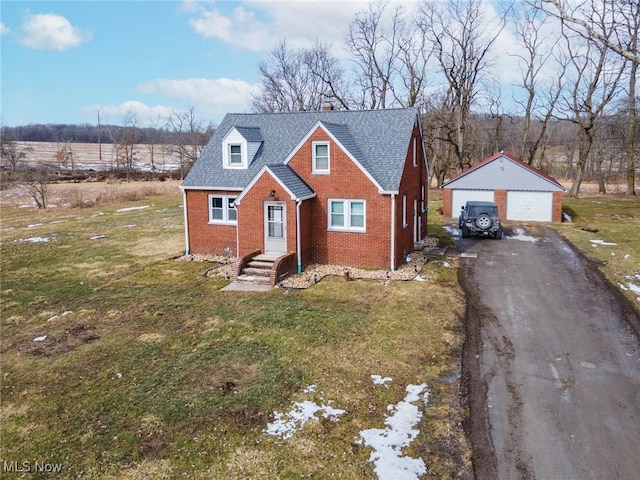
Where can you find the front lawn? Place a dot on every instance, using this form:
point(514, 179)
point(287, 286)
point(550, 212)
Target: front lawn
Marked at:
point(118, 361)
point(607, 229)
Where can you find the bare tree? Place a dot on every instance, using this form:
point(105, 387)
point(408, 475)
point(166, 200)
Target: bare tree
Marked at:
point(389, 57)
point(326, 68)
point(617, 29)
point(462, 37)
point(288, 85)
point(65, 156)
point(189, 136)
point(152, 137)
point(596, 74)
point(10, 152)
point(540, 95)
point(35, 181)
point(630, 33)
point(577, 17)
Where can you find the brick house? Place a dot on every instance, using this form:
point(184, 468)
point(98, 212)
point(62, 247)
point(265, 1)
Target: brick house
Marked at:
point(331, 187)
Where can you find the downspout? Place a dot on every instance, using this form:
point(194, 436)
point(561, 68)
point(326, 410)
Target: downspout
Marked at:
point(186, 222)
point(393, 231)
point(237, 234)
point(298, 241)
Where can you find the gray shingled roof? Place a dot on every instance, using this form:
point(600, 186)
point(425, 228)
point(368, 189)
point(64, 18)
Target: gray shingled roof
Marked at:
point(251, 134)
point(378, 139)
point(294, 183)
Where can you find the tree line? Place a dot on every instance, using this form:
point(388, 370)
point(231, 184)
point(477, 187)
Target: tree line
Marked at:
point(575, 62)
point(183, 135)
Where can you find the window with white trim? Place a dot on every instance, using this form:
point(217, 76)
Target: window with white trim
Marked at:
point(415, 152)
point(235, 155)
point(347, 215)
point(222, 209)
point(320, 151)
point(404, 212)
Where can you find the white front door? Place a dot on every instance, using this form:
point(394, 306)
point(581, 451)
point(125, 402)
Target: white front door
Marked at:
point(275, 231)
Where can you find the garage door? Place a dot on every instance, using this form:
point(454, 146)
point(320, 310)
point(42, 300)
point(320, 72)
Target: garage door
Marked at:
point(460, 197)
point(530, 206)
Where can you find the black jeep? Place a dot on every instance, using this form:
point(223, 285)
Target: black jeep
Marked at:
point(480, 218)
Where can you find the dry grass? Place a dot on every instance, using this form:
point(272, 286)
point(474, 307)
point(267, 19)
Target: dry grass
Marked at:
point(91, 194)
point(155, 372)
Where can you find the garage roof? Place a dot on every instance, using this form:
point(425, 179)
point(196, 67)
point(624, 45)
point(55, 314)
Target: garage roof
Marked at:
point(503, 172)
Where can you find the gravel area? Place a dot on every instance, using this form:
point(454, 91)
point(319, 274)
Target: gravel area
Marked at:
point(223, 267)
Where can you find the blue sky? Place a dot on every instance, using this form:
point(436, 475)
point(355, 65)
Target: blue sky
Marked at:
point(62, 61)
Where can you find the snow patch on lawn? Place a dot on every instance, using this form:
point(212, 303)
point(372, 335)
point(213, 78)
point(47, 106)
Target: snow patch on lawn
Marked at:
point(287, 424)
point(32, 240)
point(129, 209)
point(387, 443)
point(380, 380)
point(602, 242)
point(633, 285)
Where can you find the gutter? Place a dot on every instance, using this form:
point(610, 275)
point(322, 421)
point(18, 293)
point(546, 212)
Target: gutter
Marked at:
point(298, 241)
point(393, 231)
point(186, 222)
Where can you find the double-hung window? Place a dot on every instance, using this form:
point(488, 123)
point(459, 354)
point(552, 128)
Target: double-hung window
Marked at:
point(222, 209)
point(320, 158)
point(235, 155)
point(347, 215)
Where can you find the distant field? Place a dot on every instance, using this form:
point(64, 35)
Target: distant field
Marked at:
point(93, 156)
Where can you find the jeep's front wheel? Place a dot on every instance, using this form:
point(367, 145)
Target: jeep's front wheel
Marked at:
point(484, 221)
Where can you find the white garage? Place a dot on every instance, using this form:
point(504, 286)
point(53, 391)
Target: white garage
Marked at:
point(522, 193)
point(460, 197)
point(530, 206)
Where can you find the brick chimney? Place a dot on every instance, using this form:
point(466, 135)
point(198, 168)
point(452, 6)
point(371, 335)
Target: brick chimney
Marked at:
point(327, 106)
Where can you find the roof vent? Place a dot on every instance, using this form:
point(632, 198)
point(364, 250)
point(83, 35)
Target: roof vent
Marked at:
point(327, 106)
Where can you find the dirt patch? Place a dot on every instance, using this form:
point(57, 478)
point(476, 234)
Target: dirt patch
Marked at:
point(59, 343)
point(474, 389)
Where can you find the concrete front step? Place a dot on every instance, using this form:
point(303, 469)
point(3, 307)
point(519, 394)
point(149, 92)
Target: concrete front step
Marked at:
point(260, 264)
point(257, 272)
point(254, 279)
point(267, 257)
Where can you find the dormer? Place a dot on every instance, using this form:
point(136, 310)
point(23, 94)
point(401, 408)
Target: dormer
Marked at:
point(239, 147)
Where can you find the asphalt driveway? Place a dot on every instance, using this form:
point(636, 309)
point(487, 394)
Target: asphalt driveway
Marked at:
point(552, 363)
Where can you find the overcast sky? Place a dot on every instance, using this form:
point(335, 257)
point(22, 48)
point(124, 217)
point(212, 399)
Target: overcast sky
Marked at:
point(63, 61)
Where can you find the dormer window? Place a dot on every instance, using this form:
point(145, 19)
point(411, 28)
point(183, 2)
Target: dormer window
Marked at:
point(320, 158)
point(235, 155)
point(239, 147)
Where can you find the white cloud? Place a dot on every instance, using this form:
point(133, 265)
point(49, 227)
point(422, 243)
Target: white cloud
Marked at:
point(213, 96)
point(3, 29)
point(258, 25)
point(144, 114)
point(48, 31)
point(241, 28)
point(212, 99)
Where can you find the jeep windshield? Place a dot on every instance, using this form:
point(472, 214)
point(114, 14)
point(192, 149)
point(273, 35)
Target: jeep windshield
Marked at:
point(475, 210)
